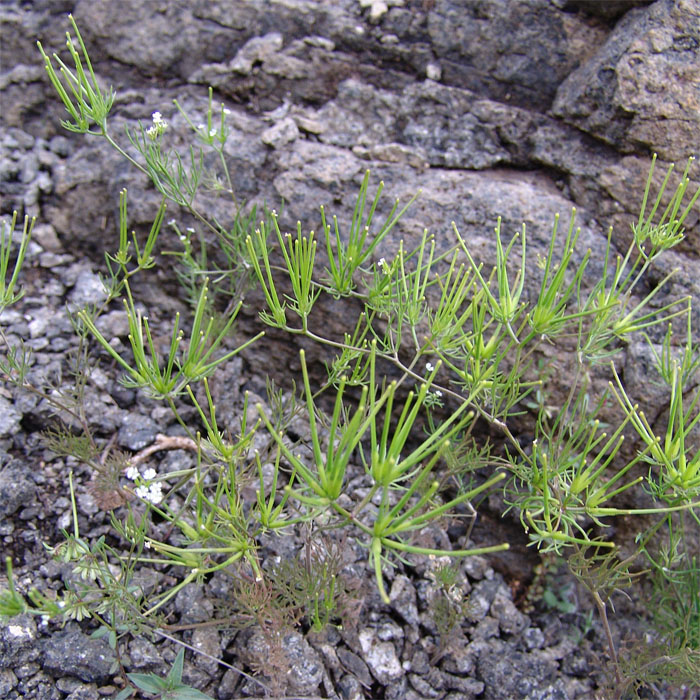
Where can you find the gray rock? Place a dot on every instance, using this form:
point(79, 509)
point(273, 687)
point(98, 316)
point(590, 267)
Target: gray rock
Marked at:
point(84, 692)
point(192, 605)
point(10, 418)
point(18, 643)
point(355, 665)
point(144, 655)
point(303, 670)
point(641, 90)
point(136, 432)
point(8, 681)
point(73, 653)
point(16, 488)
point(380, 657)
point(350, 688)
point(403, 599)
point(88, 291)
point(510, 619)
point(509, 674)
point(534, 639)
point(534, 49)
point(281, 134)
point(306, 669)
point(255, 50)
point(206, 639)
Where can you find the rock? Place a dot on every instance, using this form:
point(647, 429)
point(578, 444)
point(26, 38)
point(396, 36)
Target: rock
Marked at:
point(350, 688)
point(535, 48)
point(355, 665)
point(206, 640)
point(256, 50)
point(301, 669)
point(281, 134)
point(16, 488)
point(73, 653)
point(136, 432)
point(380, 657)
point(88, 290)
point(192, 605)
point(18, 642)
point(144, 655)
point(403, 599)
point(510, 619)
point(641, 90)
point(8, 681)
point(508, 674)
point(10, 419)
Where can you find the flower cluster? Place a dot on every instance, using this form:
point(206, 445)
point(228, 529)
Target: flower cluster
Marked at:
point(146, 488)
point(159, 126)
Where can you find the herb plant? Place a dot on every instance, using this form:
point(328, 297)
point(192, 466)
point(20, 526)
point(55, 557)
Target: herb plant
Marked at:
point(441, 342)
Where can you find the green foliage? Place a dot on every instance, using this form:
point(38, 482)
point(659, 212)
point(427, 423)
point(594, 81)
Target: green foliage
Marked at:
point(169, 688)
point(7, 286)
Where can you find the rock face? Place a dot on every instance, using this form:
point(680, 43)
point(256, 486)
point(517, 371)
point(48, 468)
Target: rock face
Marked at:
point(641, 89)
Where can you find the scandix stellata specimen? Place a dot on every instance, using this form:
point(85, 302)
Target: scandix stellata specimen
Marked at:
point(462, 341)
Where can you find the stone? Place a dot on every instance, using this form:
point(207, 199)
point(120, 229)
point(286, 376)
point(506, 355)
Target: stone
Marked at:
point(380, 657)
point(355, 665)
point(510, 619)
point(281, 134)
point(18, 642)
point(73, 653)
point(255, 50)
point(641, 90)
point(16, 488)
point(136, 432)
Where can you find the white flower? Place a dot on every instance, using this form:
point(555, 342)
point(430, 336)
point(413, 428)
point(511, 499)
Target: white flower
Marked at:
point(227, 110)
point(141, 492)
point(132, 473)
point(386, 269)
point(150, 473)
point(438, 394)
point(429, 367)
point(155, 493)
point(159, 126)
point(212, 132)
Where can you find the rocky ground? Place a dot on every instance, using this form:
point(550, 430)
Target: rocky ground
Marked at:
point(515, 109)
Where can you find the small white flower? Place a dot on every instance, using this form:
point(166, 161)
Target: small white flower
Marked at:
point(132, 472)
point(227, 110)
point(155, 493)
point(159, 126)
point(172, 222)
point(147, 544)
point(212, 132)
point(438, 394)
point(141, 492)
point(150, 473)
point(386, 269)
point(202, 127)
point(429, 366)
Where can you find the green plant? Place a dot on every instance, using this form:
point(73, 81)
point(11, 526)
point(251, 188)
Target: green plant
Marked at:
point(463, 342)
point(169, 688)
